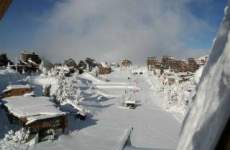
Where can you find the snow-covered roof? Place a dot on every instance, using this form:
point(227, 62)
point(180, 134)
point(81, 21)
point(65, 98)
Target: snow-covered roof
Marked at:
point(105, 65)
point(32, 108)
point(130, 102)
point(10, 87)
point(29, 52)
point(139, 69)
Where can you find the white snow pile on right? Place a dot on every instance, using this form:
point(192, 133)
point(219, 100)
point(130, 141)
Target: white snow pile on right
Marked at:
point(210, 112)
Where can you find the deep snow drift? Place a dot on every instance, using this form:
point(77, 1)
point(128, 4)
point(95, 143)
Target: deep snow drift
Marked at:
point(206, 119)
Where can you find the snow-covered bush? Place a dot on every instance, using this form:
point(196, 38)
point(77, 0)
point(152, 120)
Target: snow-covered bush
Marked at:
point(45, 66)
point(179, 95)
point(64, 89)
point(178, 92)
point(68, 88)
point(21, 136)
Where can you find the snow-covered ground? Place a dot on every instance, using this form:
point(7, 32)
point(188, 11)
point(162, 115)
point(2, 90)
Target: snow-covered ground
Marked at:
point(176, 97)
point(152, 126)
point(107, 126)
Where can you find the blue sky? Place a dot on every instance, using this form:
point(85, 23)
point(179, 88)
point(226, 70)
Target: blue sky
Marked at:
point(19, 24)
point(20, 27)
point(211, 12)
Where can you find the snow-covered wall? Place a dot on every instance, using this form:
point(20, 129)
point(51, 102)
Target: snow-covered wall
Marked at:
point(210, 111)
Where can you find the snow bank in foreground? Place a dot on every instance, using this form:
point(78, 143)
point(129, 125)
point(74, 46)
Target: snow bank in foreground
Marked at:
point(207, 117)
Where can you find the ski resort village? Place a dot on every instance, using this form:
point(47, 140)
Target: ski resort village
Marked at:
point(99, 103)
point(86, 100)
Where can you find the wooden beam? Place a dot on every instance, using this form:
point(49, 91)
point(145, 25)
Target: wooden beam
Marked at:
point(4, 5)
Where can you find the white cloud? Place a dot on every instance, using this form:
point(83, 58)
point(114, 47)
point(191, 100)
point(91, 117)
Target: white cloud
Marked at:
point(114, 29)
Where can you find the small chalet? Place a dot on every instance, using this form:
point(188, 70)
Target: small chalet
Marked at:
point(16, 90)
point(30, 59)
point(104, 68)
point(126, 63)
point(37, 114)
point(29, 62)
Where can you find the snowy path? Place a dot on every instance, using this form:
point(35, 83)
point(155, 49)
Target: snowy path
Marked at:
point(153, 128)
point(156, 128)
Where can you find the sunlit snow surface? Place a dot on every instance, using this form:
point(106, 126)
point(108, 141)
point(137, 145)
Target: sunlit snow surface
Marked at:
point(153, 128)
